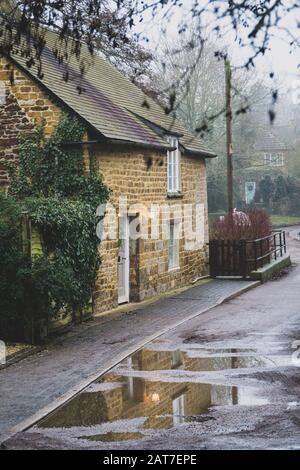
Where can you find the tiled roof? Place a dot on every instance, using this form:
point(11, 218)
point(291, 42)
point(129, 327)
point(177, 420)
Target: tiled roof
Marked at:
point(268, 141)
point(108, 101)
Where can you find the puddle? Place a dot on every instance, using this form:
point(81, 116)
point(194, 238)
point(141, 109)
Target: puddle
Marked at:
point(194, 359)
point(114, 436)
point(109, 408)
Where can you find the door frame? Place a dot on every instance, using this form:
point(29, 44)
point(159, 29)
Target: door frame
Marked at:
point(124, 219)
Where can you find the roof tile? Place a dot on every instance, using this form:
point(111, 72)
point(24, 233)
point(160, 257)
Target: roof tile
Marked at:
point(108, 101)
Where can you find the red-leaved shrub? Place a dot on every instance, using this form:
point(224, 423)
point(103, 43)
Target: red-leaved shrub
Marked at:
point(247, 224)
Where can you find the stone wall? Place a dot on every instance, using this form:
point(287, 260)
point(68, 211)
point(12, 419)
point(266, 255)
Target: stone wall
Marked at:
point(142, 177)
point(23, 106)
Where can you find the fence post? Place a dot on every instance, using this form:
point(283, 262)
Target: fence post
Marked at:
point(228, 257)
point(280, 241)
point(275, 247)
point(212, 254)
point(284, 241)
point(234, 269)
point(222, 264)
point(255, 255)
point(243, 258)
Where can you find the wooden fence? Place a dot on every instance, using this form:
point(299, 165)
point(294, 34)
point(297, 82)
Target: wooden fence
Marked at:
point(240, 257)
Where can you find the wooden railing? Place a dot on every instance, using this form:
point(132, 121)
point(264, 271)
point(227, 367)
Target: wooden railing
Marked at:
point(240, 257)
point(264, 250)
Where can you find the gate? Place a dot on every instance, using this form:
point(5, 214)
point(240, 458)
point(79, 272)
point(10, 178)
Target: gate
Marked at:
point(228, 258)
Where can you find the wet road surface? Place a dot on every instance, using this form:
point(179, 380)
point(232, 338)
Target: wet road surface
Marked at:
point(229, 379)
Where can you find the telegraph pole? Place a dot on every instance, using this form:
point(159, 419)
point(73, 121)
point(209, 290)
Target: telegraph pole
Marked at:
point(229, 135)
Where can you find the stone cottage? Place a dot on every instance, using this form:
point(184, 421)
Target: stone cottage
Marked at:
point(144, 155)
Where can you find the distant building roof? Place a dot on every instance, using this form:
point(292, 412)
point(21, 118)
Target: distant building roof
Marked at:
point(109, 102)
point(267, 141)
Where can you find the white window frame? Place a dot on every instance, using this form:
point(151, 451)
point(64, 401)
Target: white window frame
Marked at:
point(173, 252)
point(267, 158)
point(274, 159)
point(176, 360)
point(178, 409)
point(173, 164)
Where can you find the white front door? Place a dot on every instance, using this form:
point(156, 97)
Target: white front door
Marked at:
point(123, 261)
point(178, 410)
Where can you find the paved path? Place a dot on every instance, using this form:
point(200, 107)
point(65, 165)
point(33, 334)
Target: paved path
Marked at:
point(265, 415)
point(38, 383)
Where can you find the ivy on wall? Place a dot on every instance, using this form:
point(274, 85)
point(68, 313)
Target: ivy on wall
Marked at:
point(50, 183)
point(23, 284)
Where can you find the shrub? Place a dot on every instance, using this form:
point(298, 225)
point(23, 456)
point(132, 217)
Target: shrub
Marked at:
point(280, 194)
point(50, 183)
point(267, 189)
point(247, 224)
point(11, 260)
point(21, 292)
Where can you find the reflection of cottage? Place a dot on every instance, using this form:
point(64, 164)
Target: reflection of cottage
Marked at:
point(157, 388)
point(269, 157)
point(142, 153)
point(128, 395)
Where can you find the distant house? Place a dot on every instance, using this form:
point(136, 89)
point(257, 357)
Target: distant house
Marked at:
point(272, 151)
point(142, 153)
point(270, 157)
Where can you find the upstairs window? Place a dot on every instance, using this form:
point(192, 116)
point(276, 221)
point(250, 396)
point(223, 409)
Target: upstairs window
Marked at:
point(274, 159)
point(173, 166)
point(176, 360)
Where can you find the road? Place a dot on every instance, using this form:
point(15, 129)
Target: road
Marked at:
point(235, 385)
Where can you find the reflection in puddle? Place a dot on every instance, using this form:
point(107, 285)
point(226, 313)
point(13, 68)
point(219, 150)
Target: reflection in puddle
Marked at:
point(194, 360)
point(114, 436)
point(119, 396)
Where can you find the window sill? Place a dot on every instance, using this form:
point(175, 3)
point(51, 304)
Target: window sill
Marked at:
point(177, 195)
point(177, 366)
point(172, 270)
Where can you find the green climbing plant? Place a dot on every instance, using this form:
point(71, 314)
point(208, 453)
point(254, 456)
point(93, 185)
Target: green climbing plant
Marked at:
point(61, 199)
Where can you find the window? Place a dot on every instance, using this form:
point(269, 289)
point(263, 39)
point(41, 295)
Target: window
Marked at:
point(174, 245)
point(173, 167)
point(176, 360)
point(274, 159)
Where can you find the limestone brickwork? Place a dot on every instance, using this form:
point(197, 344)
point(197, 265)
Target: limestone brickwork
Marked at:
point(23, 104)
point(141, 175)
